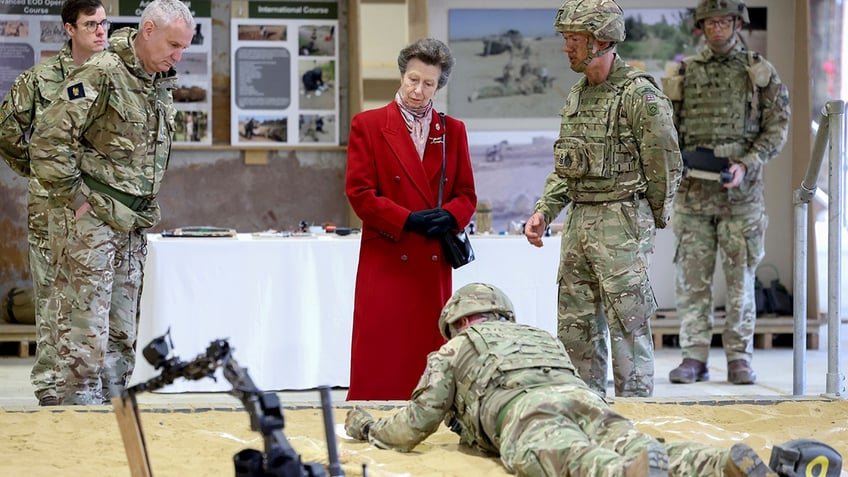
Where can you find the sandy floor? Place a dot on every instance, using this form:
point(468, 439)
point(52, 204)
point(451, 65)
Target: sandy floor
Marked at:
point(201, 441)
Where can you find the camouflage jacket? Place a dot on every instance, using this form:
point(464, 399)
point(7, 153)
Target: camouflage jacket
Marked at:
point(471, 380)
point(23, 105)
point(111, 126)
point(617, 139)
point(734, 103)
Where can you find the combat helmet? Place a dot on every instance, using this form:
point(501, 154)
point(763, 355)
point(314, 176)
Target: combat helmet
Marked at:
point(472, 299)
point(603, 19)
point(720, 8)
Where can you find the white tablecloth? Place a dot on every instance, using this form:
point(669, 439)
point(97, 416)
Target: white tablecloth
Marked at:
point(286, 304)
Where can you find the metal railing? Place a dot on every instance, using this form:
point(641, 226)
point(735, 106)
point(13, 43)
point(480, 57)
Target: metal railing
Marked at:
point(830, 135)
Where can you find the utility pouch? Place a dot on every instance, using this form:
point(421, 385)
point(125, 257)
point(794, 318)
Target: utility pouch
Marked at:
point(576, 159)
point(758, 72)
point(570, 159)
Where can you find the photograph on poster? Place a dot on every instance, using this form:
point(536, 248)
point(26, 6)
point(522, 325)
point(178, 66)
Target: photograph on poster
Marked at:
point(317, 40)
point(198, 37)
point(191, 126)
point(14, 29)
point(509, 64)
point(509, 172)
point(317, 128)
point(53, 32)
point(317, 84)
point(193, 64)
point(262, 32)
point(263, 128)
point(189, 93)
point(48, 53)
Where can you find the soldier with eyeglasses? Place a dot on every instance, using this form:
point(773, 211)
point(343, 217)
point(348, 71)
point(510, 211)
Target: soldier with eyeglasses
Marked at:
point(86, 26)
point(728, 101)
point(91, 25)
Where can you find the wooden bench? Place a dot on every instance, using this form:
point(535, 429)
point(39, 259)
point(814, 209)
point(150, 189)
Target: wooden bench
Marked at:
point(18, 333)
point(666, 323)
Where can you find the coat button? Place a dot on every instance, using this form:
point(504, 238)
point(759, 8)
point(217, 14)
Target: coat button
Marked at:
point(404, 258)
point(434, 258)
point(396, 178)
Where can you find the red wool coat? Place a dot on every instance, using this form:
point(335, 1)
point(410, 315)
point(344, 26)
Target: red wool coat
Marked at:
point(402, 280)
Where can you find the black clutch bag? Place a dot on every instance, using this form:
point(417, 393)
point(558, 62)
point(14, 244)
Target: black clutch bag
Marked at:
point(457, 249)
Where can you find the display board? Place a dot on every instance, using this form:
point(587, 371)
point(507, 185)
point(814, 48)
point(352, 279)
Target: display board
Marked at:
point(193, 96)
point(284, 65)
point(32, 30)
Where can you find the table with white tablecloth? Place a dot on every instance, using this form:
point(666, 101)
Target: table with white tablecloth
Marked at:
point(286, 304)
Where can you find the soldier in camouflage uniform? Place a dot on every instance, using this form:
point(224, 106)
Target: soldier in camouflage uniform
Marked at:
point(510, 390)
point(618, 165)
point(729, 99)
point(86, 25)
point(101, 150)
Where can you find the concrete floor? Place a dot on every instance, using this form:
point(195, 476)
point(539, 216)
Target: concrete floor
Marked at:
point(774, 368)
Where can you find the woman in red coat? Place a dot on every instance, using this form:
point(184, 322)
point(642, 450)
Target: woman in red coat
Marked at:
point(394, 164)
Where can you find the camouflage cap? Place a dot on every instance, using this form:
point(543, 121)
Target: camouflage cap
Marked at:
point(720, 8)
point(603, 19)
point(472, 299)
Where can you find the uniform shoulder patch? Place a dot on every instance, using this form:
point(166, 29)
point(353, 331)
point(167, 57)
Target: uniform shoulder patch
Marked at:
point(649, 97)
point(76, 91)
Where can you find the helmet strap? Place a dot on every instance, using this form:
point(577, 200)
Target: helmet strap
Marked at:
point(591, 56)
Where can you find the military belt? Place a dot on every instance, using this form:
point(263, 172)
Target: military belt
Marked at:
point(502, 413)
point(630, 198)
point(134, 202)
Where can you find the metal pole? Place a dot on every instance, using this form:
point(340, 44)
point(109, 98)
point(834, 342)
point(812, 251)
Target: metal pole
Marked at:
point(803, 195)
point(835, 379)
point(799, 338)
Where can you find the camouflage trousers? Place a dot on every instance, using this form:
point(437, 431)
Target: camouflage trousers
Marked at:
point(42, 377)
point(604, 288)
point(569, 430)
point(95, 302)
point(741, 240)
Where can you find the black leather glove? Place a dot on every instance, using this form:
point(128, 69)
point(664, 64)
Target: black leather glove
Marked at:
point(419, 221)
point(440, 223)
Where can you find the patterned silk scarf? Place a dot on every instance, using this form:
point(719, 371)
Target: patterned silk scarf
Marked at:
point(417, 123)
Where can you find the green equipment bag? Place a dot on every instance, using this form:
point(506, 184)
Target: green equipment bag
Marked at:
point(19, 306)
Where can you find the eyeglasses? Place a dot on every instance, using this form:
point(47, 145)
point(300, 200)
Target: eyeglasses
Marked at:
point(718, 22)
point(91, 25)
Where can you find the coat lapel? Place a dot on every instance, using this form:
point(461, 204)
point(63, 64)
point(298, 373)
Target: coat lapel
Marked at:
point(433, 153)
point(400, 143)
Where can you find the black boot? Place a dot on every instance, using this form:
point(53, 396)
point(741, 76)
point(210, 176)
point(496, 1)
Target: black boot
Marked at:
point(743, 461)
point(689, 371)
point(739, 372)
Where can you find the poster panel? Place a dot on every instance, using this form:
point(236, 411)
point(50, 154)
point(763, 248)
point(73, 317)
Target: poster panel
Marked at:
point(193, 96)
point(32, 30)
point(284, 63)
